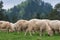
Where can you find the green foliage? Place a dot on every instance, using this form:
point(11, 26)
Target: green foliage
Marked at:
point(2, 12)
point(57, 6)
point(29, 9)
point(55, 14)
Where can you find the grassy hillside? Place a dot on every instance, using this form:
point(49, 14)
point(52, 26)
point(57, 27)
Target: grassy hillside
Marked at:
point(20, 36)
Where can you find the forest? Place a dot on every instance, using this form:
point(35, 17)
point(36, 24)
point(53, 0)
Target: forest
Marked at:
point(30, 9)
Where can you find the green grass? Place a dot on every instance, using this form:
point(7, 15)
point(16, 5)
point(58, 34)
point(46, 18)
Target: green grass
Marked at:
point(20, 36)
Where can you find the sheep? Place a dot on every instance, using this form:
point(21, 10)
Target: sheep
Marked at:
point(21, 25)
point(55, 25)
point(37, 24)
point(47, 27)
point(12, 27)
point(31, 25)
point(4, 25)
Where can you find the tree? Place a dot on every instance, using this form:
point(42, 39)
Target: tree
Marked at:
point(2, 11)
point(57, 6)
point(55, 14)
point(30, 9)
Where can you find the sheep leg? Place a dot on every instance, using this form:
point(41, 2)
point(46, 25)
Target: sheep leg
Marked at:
point(41, 32)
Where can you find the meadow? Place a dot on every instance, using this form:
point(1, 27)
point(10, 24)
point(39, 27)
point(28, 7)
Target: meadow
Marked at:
point(20, 36)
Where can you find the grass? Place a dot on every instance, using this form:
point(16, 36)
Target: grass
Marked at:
point(20, 36)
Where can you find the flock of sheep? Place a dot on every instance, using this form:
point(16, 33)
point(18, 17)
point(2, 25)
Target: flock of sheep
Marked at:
point(32, 26)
